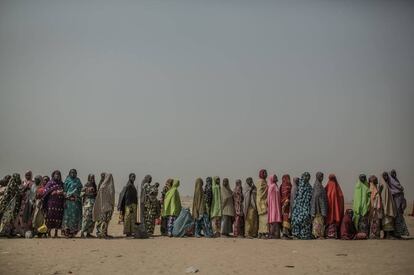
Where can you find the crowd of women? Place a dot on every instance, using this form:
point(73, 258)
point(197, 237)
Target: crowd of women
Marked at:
point(265, 209)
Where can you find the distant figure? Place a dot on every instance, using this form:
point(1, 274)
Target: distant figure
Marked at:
point(377, 211)
point(167, 187)
point(227, 206)
point(347, 226)
point(53, 203)
point(274, 213)
point(397, 192)
point(199, 214)
point(72, 215)
point(10, 206)
point(238, 199)
point(128, 205)
point(88, 196)
point(38, 218)
point(147, 180)
point(301, 215)
point(390, 210)
point(361, 207)
point(24, 219)
point(335, 207)
point(172, 206)
point(151, 207)
point(286, 205)
point(251, 219)
point(215, 212)
point(261, 202)
point(208, 195)
point(104, 206)
point(319, 207)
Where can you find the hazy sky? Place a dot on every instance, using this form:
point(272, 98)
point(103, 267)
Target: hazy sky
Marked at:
point(204, 88)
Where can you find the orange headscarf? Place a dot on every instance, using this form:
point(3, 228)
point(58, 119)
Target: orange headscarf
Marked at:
point(335, 201)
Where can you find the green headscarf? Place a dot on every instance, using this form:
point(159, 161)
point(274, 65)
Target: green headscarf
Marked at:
point(216, 202)
point(362, 201)
point(172, 202)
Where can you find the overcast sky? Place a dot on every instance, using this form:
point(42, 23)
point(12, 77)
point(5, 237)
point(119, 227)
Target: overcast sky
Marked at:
point(203, 88)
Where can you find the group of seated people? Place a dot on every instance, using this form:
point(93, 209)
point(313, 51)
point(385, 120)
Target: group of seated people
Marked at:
point(262, 209)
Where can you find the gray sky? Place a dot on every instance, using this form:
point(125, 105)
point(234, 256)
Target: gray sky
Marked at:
point(198, 88)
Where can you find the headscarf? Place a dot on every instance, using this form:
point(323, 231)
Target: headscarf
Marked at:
point(261, 197)
point(27, 183)
point(208, 192)
point(395, 185)
point(129, 195)
point(199, 206)
point(227, 199)
point(249, 196)
point(285, 190)
point(302, 204)
point(274, 214)
point(164, 191)
point(72, 188)
point(172, 202)
point(147, 179)
point(319, 202)
point(105, 199)
point(12, 190)
point(347, 226)
point(335, 201)
point(376, 200)
point(362, 201)
point(53, 185)
point(390, 208)
point(216, 202)
point(238, 198)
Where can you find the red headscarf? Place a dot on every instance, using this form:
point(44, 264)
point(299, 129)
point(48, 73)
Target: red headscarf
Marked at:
point(335, 201)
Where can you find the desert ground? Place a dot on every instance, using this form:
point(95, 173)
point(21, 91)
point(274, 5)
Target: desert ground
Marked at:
point(162, 255)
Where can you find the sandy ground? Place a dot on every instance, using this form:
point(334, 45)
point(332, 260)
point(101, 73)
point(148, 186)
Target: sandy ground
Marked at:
point(161, 255)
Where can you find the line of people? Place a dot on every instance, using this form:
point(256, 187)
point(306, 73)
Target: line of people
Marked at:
point(262, 210)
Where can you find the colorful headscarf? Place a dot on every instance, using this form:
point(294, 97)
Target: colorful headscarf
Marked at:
point(274, 214)
point(199, 206)
point(216, 202)
point(238, 198)
point(172, 202)
point(335, 201)
point(319, 203)
point(227, 199)
point(362, 201)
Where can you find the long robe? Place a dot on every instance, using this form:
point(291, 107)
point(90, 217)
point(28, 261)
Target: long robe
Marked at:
point(261, 202)
point(228, 211)
point(104, 205)
point(216, 200)
point(172, 201)
point(238, 199)
point(301, 215)
point(274, 214)
point(336, 206)
point(251, 222)
point(53, 204)
point(401, 204)
point(10, 206)
point(376, 212)
point(285, 199)
point(72, 215)
point(88, 196)
point(128, 207)
point(362, 202)
point(390, 210)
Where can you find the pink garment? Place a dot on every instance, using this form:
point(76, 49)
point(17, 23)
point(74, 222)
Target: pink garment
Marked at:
point(274, 213)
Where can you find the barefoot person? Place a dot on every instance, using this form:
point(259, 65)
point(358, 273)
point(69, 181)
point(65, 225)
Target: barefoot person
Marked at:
point(361, 207)
point(104, 206)
point(319, 207)
point(215, 212)
point(128, 205)
point(72, 215)
point(335, 207)
point(397, 192)
point(238, 199)
point(227, 209)
point(53, 203)
point(261, 202)
point(251, 221)
point(301, 214)
point(274, 214)
point(285, 194)
point(88, 196)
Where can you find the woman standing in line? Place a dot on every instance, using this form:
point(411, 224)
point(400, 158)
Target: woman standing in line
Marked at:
point(227, 209)
point(238, 225)
point(104, 206)
point(215, 212)
point(274, 214)
point(261, 202)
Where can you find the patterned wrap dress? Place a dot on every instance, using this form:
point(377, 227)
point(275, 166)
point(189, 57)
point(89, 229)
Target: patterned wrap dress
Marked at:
point(301, 214)
point(72, 214)
point(88, 195)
